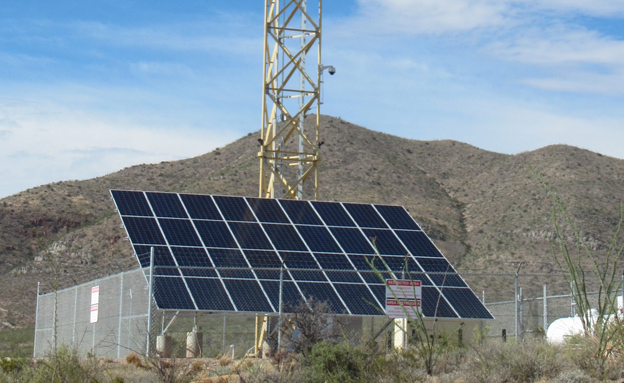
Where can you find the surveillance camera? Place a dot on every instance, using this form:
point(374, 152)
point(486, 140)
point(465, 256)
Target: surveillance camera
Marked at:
point(331, 70)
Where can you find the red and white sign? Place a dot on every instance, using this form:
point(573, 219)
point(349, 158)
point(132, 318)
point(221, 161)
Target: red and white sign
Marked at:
point(95, 301)
point(402, 296)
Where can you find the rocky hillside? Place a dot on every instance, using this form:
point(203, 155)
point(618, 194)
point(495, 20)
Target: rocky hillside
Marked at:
point(485, 210)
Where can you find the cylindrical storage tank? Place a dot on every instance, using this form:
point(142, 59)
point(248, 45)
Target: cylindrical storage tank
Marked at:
point(163, 346)
point(194, 341)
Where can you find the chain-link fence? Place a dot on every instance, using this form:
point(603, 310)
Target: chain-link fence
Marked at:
point(111, 316)
point(112, 326)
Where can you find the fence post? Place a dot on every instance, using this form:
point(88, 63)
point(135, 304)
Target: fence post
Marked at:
point(36, 321)
point(545, 310)
point(516, 297)
point(521, 314)
point(75, 315)
point(149, 302)
point(119, 322)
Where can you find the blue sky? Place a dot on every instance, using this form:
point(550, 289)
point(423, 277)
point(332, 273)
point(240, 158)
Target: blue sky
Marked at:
point(87, 88)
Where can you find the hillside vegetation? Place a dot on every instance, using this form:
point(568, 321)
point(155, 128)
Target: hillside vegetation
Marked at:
point(484, 210)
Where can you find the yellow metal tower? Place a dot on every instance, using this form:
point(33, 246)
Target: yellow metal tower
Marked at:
point(289, 155)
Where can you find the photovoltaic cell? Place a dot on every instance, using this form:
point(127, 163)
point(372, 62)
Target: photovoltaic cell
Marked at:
point(365, 215)
point(166, 205)
point(131, 203)
point(234, 208)
point(219, 253)
point(267, 210)
point(397, 217)
point(200, 206)
point(352, 241)
point(209, 294)
point(333, 214)
point(300, 212)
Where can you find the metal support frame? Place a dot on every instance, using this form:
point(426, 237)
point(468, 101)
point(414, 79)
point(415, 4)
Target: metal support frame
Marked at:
point(289, 156)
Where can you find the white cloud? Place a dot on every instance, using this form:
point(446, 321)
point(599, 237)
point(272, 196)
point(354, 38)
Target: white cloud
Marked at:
point(429, 16)
point(161, 68)
point(608, 8)
point(47, 141)
point(563, 45)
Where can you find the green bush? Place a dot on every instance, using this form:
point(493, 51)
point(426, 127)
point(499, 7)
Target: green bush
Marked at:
point(340, 363)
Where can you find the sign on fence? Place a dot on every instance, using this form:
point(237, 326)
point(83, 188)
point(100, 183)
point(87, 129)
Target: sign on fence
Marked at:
point(402, 295)
point(95, 302)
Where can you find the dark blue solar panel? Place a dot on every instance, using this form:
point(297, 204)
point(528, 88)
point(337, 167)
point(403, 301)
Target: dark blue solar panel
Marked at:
point(371, 268)
point(131, 203)
point(247, 295)
point(230, 263)
point(209, 294)
point(194, 261)
point(234, 208)
point(291, 298)
point(365, 215)
point(300, 212)
point(434, 306)
point(318, 238)
point(179, 232)
point(261, 260)
point(397, 217)
point(304, 261)
point(200, 206)
point(143, 253)
point(466, 303)
point(402, 264)
point(250, 235)
point(143, 231)
point(385, 241)
point(323, 292)
point(333, 214)
point(170, 292)
point(418, 244)
point(238, 241)
point(267, 210)
point(331, 263)
point(445, 280)
point(285, 237)
point(215, 234)
point(352, 241)
point(438, 265)
point(358, 299)
point(166, 205)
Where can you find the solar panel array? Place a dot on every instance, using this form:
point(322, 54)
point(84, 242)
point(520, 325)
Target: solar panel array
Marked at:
point(222, 253)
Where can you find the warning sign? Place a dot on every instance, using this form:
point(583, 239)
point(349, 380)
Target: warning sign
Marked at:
point(95, 302)
point(401, 296)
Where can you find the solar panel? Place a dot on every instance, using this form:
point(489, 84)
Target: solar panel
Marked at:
point(223, 253)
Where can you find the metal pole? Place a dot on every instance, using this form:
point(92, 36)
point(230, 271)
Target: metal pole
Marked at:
point(36, 321)
point(521, 329)
point(149, 302)
point(516, 295)
point(119, 323)
point(75, 315)
point(223, 344)
point(279, 320)
point(545, 310)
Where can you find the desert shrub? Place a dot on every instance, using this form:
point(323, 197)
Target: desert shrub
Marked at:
point(398, 366)
point(510, 362)
point(311, 322)
point(581, 353)
point(335, 363)
point(573, 375)
point(64, 365)
point(11, 365)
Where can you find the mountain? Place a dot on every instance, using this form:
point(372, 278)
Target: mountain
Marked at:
point(486, 211)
